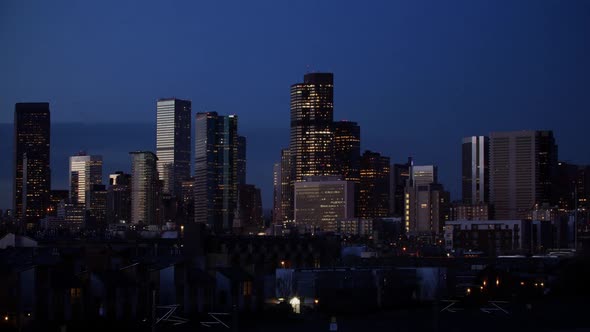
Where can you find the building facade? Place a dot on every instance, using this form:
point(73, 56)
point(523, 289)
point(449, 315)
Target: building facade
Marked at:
point(475, 170)
point(312, 135)
point(426, 202)
point(145, 188)
point(241, 164)
point(522, 172)
point(286, 188)
point(400, 174)
point(173, 143)
point(32, 175)
point(374, 188)
point(347, 150)
point(119, 198)
point(216, 170)
point(321, 201)
point(85, 171)
point(249, 218)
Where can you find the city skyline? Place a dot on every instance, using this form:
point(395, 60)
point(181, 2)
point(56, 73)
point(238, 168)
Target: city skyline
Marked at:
point(495, 78)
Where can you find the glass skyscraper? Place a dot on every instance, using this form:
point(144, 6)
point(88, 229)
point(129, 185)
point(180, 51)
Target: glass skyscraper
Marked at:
point(347, 150)
point(216, 170)
point(85, 171)
point(312, 136)
point(475, 169)
point(173, 143)
point(32, 176)
point(145, 188)
point(374, 192)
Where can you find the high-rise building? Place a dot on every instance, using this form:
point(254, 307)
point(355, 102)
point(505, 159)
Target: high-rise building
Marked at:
point(347, 150)
point(97, 206)
point(427, 203)
point(85, 171)
point(249, 209)
point(216, 156)
point(522, 171)
point(173, 143)
point(286, 187)
point(475, 169)
point(374, 188)
point(312, 135)
point(276, 194)
point(320, 202)
point(187, 201)
point(241, 160)
point(119, 198)
point(145, 188)
point(400, 174)
point(32, 176)
point(564, 189)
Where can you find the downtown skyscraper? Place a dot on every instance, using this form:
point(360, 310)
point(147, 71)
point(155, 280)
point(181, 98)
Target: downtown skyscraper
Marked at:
point(173, 143)
point(475, 170)
point(32, 175)
point(85, 171)
point(216, 170)
point(312, 134)
point(522, 170)
point(374, 189)
point(347, 150)
point(145, 188)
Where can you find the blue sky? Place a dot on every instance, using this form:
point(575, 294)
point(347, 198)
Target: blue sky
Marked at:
point(409, 72)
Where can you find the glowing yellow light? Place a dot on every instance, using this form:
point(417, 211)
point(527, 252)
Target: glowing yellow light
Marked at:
point(522, 283)
point(316, 301)
point(468, 290)
point(497, 282)
point(5, 317)
point(484, 282)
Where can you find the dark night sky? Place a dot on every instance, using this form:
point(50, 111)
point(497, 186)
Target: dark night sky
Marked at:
point(412, 73)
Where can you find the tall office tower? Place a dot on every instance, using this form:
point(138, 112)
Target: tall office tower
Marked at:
point(216, 157)
point(347, 150)
point(97, 206)
point(119, 198)
point(32, 176)
point(249, 217)
point(173, 143)
point(187, 200)
point(373, 199)
point(85, 171)
point(522, 170)
point(427, 203)
point(564, 189)
point(400, 174)
point(322, 201)
point(241, 160)
point(286, 187)
point(276, 194)
point(475, 169)
point(145, 188)
point(312, 136)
